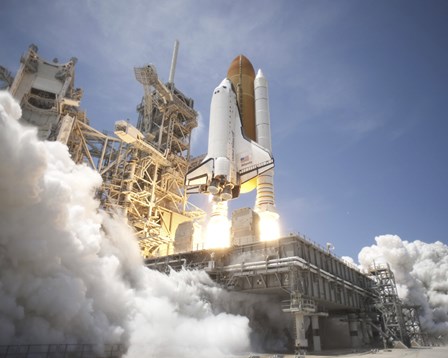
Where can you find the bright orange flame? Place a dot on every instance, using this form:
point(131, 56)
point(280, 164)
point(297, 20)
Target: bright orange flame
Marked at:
point(218, 228)
point(269, 226)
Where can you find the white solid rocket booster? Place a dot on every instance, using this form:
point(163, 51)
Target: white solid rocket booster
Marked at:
point(265, 181)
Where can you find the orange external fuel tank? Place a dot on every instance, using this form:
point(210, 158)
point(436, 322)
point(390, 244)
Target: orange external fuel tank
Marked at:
point(242, 75)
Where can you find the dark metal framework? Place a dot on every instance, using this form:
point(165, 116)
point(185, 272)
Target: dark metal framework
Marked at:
point(400, 322)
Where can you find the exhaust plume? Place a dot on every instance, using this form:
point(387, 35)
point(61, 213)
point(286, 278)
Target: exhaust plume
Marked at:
point(71, 273)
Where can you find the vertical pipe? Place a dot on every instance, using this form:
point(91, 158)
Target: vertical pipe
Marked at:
point(316, 333)
point(159, 144)
point(152, 200)
point(353, 328)
point(103, 152)
point(132, 165)
point(173, 62)
point(301, 340)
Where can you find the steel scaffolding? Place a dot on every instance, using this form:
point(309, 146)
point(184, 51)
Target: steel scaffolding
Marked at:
point(400, 322)
point(143, 169)
point(412, 324)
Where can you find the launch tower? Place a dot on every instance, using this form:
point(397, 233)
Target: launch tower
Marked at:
point(142, 168)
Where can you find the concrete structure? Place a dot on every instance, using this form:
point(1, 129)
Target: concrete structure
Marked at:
point(244, 230)
point(245, 227)
point(188, 237)
point(46, 93)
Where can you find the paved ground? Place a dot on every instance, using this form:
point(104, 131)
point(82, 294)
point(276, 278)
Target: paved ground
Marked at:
point(434, 352)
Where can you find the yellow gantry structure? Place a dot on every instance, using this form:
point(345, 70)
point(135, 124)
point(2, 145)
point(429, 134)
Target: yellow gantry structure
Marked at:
point(142, 167)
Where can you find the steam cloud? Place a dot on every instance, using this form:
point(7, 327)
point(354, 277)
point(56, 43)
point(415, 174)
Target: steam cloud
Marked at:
point(70, 273)
point(421, 275)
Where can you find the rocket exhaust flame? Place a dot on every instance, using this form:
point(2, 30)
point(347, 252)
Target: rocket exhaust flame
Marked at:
point(269, 226)
point(218, 228)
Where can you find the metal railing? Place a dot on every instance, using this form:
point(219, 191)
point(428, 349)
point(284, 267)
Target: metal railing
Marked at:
point(62, 351)
point(298, 305)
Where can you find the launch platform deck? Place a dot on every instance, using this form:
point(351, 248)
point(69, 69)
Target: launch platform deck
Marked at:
point(280, 267)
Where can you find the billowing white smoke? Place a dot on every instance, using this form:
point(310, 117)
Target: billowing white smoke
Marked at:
point(421, 274)
point(70, 273)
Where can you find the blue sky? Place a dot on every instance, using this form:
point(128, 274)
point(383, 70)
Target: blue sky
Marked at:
point(358, 95)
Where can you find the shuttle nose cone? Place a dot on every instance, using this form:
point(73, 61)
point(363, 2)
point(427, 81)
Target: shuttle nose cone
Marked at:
point(225, 83)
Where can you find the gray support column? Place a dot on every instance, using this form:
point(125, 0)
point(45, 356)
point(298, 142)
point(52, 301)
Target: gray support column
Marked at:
point(316, 333)
point(301, 341)
point(369, 328)
point(365, 335)
point(354, 333)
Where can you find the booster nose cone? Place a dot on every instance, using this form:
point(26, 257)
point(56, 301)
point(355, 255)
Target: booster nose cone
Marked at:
point(260, 74)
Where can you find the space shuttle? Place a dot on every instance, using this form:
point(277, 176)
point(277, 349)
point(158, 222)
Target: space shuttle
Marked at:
point(233, 158)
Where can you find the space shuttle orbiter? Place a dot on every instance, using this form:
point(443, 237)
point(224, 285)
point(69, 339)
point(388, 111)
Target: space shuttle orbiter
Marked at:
point(232, 158)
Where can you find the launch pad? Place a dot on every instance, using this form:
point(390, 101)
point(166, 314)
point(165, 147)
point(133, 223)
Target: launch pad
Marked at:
point(327, 302)
point(315, 288)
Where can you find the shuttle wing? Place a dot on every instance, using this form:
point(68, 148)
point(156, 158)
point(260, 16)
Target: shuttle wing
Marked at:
point(201, 175)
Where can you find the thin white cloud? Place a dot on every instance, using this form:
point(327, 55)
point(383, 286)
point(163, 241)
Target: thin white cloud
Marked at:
point(111, 37)
point(300, 210)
